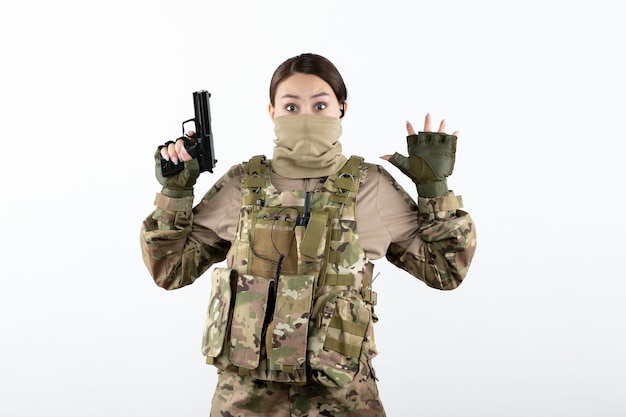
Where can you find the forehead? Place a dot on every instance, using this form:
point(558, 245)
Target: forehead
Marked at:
point(302, 86)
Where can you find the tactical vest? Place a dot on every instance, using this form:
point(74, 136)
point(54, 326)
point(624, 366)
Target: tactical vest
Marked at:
point(295, 303)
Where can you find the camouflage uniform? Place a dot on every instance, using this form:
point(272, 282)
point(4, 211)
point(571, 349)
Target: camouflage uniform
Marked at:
point(290, 320)
point(238, 396)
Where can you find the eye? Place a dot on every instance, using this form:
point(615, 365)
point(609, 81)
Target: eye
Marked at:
point(320, 106)
point(291, 107)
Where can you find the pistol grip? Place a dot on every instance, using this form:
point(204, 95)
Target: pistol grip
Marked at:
point(168, 168)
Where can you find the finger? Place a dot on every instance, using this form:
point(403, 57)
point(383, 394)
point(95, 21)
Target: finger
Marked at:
point(180, 144)
point(184, 155)
point(409, 128)
point(456, 133)
point(427, 123)
point(180, 148)
point(442, 126)
point(386, 157)
point(173, 154)
point(191, 135)
point(164, 153)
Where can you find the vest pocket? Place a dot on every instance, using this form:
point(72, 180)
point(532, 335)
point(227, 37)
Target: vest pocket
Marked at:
point(337, 341)
point(249, 311)
point(223, 281)
point(288, 331)
point(235, 319)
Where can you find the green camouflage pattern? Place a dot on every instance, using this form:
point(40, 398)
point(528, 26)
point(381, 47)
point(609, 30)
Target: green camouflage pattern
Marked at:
point(173, 260)
point(217, 319)
point(303, 339)
point(343, 329)
point(244, 396)
point(449, 237)
point(290, 323)
point(247, 320)
point(340, 317)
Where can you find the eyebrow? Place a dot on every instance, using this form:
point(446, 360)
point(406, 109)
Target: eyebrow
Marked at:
point(322, 94)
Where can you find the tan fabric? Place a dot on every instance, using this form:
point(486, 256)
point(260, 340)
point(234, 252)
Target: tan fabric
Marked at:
point(307, 146)
point(434, 240)
point(381, 212)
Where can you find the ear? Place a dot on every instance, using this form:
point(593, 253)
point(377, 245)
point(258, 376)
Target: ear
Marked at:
point(344, 109)
point(271, 111)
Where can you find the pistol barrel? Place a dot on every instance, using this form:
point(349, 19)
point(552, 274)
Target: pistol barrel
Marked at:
point(204, 135)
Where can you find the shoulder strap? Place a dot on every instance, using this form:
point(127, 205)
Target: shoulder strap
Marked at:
point(255, 179)
point(347, 181)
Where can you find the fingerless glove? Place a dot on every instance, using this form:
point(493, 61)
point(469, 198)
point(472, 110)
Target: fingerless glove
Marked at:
point(181, 184)
point(430, 161)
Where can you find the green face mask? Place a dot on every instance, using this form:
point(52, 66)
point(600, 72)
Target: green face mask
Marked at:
point(307, 146)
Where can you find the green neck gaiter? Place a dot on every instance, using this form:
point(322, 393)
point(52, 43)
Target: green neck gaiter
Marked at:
point(307, 146)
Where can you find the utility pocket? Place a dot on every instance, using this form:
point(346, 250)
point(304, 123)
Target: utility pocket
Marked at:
point(235, 319)
point(272, 242)
point(337, 340)
point(223, 282)
point(249, 311)
point(312, 239)
point(288, 331)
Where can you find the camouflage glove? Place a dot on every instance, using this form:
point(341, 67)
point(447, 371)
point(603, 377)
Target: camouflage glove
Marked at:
point(181, 184)
point(430, 161)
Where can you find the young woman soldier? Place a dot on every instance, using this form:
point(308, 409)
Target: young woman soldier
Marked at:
point(290, 320)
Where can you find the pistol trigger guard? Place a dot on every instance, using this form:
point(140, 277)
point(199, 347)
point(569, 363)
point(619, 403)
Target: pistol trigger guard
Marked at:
point(184, 123)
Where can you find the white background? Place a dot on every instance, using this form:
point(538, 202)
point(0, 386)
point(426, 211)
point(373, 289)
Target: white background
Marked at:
point(536, 88)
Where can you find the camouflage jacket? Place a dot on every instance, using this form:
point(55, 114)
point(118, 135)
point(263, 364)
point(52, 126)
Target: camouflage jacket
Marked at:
point(295, 302)
point(434, 240)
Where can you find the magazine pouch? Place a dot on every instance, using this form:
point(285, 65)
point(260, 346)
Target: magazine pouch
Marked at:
point(223, 281)
point(235, 319)
point(337, 337)
point(288, 330)
point(249, 311)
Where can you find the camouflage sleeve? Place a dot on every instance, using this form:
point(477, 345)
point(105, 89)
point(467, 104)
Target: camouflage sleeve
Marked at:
point(174, 257)
point(443, 249)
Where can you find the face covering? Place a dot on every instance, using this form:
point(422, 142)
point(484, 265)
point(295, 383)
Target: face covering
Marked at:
point(307, 146)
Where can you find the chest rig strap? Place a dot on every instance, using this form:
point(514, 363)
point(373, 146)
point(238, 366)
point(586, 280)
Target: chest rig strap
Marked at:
point(257, 180)
point(343, 188)
point(347, 182)
point(346, 186)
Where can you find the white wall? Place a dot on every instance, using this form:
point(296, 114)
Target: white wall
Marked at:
point(536, 88)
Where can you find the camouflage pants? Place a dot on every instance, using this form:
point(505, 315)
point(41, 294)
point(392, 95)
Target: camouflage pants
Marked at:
point(242, 396)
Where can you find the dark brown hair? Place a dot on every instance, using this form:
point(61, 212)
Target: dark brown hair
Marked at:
point(310, 64)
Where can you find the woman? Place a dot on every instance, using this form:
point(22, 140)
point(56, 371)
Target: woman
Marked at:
point(290, 320)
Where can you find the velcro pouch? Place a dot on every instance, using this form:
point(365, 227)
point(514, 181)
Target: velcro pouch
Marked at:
point(337, 340)
point(217, 316)
point(288, 331)
point(273, 235)
point(246, 330)
point(314, 234)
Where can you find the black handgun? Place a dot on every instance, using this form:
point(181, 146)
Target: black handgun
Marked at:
point(200, 146)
